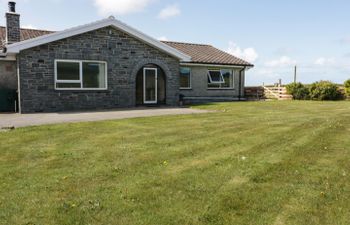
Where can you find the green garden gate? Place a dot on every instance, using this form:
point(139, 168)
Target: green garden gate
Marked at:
point(8, 100)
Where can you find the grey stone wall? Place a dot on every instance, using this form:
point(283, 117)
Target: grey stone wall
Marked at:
point(124, 55)
point(200, 85)
point(8, 75)
point(13, 28)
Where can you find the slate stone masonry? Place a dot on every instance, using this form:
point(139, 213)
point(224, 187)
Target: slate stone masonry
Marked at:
point(13, 28)
point(124, 55)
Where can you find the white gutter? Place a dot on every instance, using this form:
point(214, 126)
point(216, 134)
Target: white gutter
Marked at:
point(214, 65)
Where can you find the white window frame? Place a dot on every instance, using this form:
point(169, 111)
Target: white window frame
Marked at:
point(222, 77)
point(190, 87)
point(80, 81)
point(216, 82)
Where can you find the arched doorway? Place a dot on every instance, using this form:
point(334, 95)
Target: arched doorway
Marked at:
point(150, 85)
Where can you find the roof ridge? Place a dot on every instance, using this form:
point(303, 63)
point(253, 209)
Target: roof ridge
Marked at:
point(37, 29)
point(32, 29)
point(186, 43)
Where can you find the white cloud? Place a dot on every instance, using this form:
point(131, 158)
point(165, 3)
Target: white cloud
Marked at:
point(324, 61)
point(248, 54)
point(169, 11)
point(29, 26)
point(163, 38)
point(121, 7)
point(284, 61)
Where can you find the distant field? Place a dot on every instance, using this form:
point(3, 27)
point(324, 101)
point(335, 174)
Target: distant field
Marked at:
point(248, 163)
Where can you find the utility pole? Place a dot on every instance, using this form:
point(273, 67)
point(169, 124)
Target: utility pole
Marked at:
point(295, 74)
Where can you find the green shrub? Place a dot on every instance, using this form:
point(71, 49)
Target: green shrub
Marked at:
point(298, 91)
point(347, 87)
point(325, 90)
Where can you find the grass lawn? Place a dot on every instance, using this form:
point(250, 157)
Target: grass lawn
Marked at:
point(248, 163)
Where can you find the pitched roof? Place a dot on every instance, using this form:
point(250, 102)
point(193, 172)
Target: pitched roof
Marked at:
point(207, 54)
point(189, 52)
point(111, 21)
point(25, 34)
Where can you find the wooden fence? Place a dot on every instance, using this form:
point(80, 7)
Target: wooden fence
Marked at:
point(254, 93)
point(277, 92)
point(267, 92)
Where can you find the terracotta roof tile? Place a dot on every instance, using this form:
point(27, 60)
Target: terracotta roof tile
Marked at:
point(25, 34)
point(207, 54)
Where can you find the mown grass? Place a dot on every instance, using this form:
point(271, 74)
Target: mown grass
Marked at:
point(247, 163)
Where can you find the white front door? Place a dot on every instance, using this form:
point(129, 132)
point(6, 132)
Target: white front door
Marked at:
point(150, 77)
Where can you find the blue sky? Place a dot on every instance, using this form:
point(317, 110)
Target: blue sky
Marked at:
point(274, 35)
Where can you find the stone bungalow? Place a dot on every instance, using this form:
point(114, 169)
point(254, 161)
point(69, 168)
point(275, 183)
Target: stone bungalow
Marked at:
point(108, 64)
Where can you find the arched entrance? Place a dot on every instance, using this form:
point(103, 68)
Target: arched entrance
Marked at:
point(150, 85)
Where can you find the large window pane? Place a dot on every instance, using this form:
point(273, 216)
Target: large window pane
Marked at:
point(150, 85)
point(94, 75)
point(68, 71)
point(185, 77)
point(228, 78)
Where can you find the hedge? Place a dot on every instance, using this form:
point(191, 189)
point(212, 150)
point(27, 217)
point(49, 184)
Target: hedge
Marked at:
point(321, 90)
point(298, 91)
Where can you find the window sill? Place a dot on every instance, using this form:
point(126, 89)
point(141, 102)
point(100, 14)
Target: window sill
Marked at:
point(220, 89)
point(188, 89)
point(81, 90)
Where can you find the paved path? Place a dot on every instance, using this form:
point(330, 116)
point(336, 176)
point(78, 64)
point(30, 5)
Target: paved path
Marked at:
point(23, 120)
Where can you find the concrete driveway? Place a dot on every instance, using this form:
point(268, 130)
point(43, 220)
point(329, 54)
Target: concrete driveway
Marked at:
point(23, 120)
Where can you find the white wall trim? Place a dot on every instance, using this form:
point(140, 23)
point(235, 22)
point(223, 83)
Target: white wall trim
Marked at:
point(111, 21)
point(213, 65)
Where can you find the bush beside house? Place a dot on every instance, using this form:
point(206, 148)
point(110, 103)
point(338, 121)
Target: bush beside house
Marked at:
point(321, 90)
point(298, 91)
point(325, 90)
point(347, 88)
